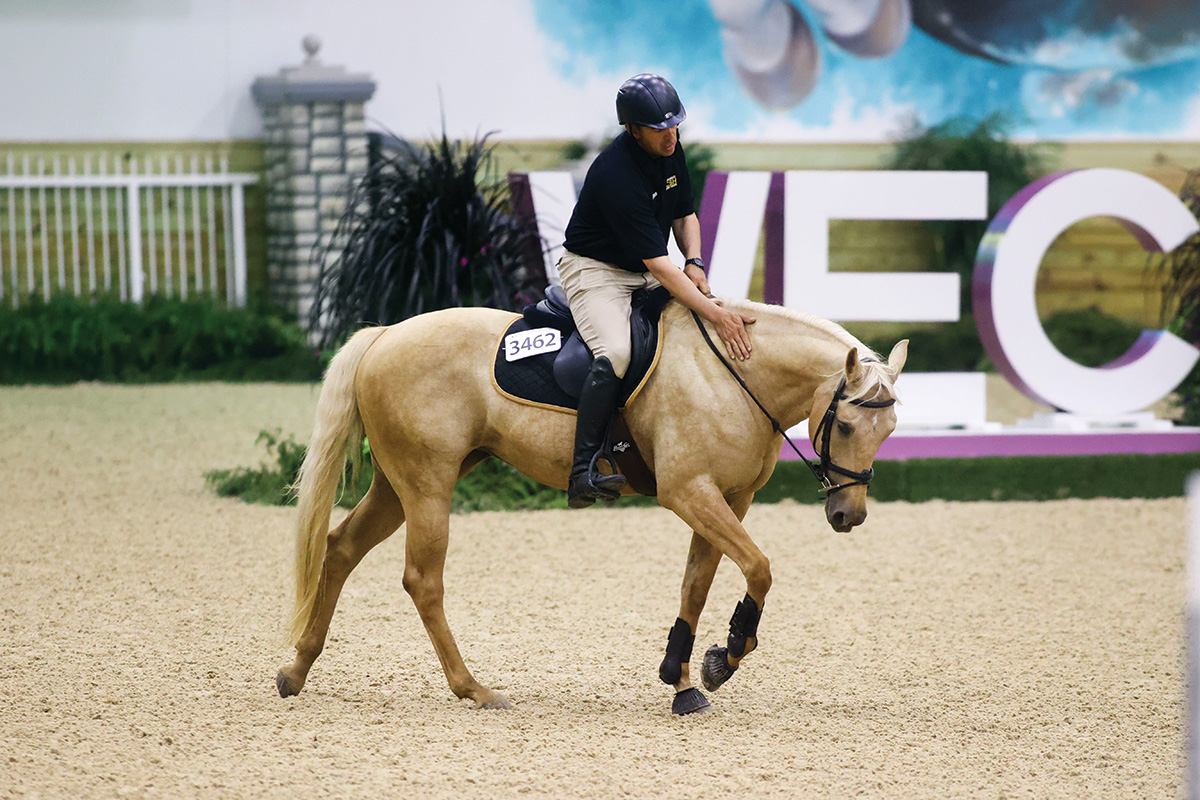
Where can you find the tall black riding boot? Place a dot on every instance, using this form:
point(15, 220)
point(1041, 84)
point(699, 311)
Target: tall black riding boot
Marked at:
point(597, 402)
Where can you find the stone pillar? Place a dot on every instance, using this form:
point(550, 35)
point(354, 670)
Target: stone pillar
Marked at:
point(316, 153)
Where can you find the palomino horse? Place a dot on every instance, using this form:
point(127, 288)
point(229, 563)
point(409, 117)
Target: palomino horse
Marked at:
point(423, 394)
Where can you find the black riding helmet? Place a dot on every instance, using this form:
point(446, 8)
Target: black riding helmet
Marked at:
point(650, 101)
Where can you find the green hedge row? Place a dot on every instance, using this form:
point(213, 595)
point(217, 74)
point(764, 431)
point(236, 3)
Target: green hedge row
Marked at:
point(495, 486)
point(70, 339)
point(103, 339)
point(1023, 478)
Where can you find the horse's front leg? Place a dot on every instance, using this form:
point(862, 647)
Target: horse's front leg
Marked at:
point(717, 530)
point(721, 662)
point(702, 563)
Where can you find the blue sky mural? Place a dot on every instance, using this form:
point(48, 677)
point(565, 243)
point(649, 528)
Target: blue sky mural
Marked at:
point(849, 70)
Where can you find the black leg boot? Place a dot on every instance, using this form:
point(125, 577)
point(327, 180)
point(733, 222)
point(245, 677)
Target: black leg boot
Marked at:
point(597, 402)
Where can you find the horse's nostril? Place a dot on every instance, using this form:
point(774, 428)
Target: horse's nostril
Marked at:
point(839, 519)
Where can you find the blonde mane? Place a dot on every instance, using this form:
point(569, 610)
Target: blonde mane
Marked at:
point(876, 378)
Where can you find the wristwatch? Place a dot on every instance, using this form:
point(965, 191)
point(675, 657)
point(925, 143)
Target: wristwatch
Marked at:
point(699, 262)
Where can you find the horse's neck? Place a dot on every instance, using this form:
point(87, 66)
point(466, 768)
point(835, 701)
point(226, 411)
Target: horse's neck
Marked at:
point(791, 359)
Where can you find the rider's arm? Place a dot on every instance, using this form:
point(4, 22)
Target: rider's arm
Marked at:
point(730, 325)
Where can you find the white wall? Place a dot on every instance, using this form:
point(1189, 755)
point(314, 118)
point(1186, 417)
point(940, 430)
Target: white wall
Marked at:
point(98, 70)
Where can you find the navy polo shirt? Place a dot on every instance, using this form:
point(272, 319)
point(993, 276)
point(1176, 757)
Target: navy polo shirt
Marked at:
point(628, 201)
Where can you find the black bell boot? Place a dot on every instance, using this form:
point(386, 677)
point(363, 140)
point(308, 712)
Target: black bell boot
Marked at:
point(597, 402)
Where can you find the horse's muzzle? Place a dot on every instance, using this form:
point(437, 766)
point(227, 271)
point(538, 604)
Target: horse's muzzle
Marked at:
point(842, 516)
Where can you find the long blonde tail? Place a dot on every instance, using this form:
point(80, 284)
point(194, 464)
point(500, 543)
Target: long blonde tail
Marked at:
point(338, 432)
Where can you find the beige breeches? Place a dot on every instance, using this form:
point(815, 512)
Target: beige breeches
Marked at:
point(599, 297)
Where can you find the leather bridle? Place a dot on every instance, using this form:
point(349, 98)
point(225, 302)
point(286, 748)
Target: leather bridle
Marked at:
point(825, 431)
point(821, 469)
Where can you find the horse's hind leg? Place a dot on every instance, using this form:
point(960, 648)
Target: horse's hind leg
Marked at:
point(376, 517)
point(426, 542)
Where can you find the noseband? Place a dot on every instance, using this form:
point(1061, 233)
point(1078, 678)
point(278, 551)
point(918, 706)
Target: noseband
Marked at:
point(820, 470)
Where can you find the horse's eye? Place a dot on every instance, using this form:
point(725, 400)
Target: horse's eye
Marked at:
point(845, 428)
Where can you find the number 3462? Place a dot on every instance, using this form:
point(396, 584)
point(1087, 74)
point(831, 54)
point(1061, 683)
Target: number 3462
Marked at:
point(531, 342)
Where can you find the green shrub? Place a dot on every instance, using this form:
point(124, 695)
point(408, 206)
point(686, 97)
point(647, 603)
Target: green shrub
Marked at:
point(1090, 337)
point(1188, 391)
point(701, 159)
point(1181, 297)
point(491, 486)
point(947, 347)
point(963, 144)
point(271, 482)
point(574, 150)
point(496, 486)
point(70, 339)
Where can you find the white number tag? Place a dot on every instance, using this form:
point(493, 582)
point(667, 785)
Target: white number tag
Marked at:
point(531, 343)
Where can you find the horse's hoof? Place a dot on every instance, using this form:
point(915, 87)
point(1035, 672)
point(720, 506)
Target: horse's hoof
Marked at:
point(690, 701)
point(497, 702)
point(285, 686)
point(716, 669)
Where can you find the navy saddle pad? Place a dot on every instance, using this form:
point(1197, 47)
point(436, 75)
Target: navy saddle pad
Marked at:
point(556, 378)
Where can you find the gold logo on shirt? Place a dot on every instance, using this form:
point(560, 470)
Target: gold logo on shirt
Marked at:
point(671, 182)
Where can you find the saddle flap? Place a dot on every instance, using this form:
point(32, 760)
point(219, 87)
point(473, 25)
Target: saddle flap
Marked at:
point(571, 365)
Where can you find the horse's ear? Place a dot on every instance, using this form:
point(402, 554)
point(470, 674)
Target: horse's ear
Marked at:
point(852, 364)
point(897, 357)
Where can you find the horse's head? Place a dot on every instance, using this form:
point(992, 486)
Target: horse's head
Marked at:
point(853, 412)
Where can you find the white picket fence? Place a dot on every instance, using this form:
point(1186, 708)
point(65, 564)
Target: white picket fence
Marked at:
point(107, 224)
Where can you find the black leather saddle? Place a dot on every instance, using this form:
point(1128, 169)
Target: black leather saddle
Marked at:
point(556, 378)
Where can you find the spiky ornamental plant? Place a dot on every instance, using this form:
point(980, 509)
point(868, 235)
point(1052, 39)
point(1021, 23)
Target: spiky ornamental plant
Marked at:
point(1181, 297)
point(426, 228)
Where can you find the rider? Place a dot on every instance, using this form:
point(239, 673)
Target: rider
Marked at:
point(636, 191)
